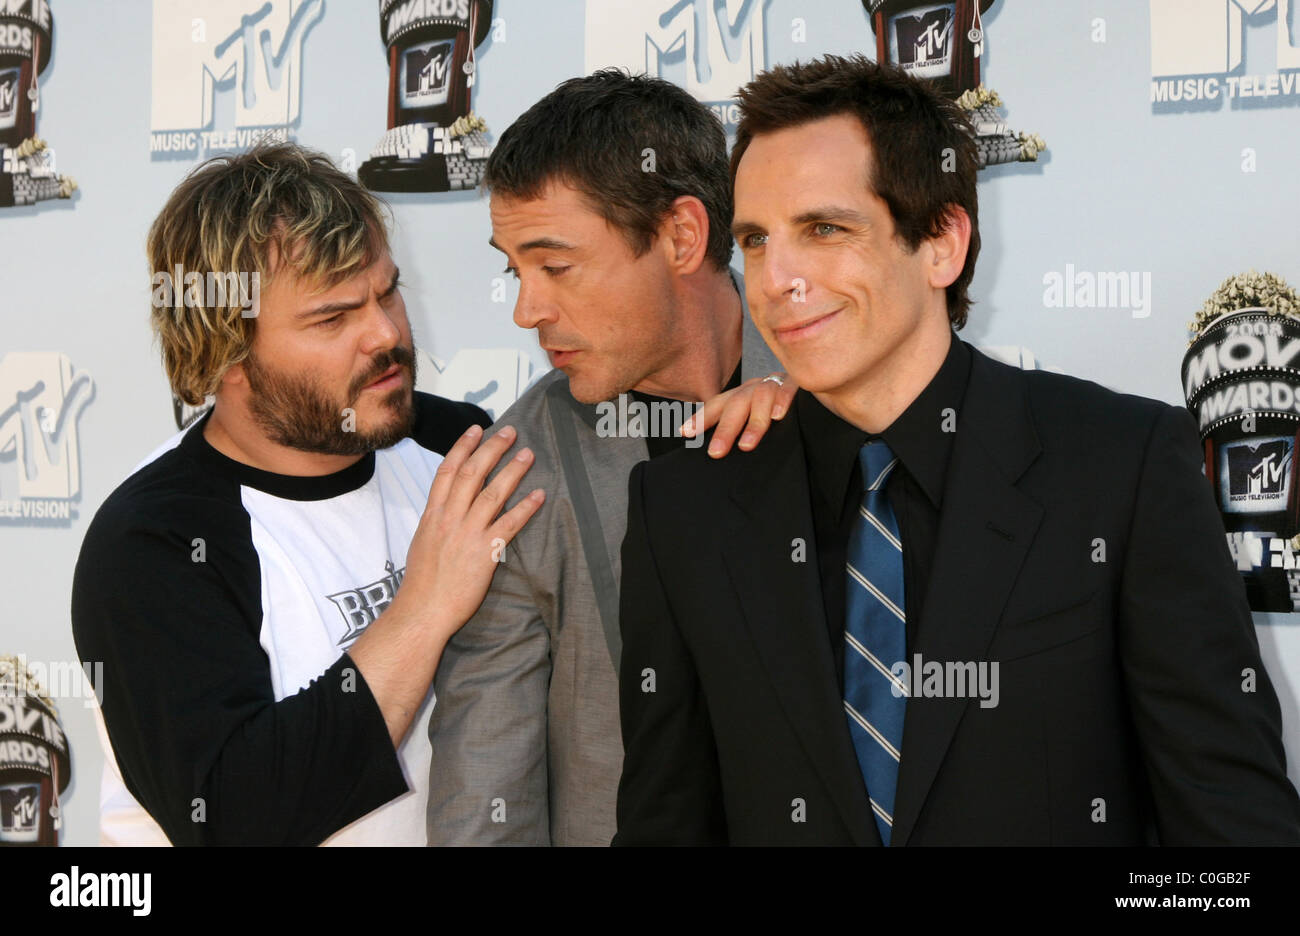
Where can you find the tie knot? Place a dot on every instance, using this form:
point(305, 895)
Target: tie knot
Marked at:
point(877, 461)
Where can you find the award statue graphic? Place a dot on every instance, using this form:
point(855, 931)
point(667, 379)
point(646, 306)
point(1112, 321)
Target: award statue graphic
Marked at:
point(27, 173)
point(1241, 378)
point(35, 763)
point(942, 41)
point(434, 141)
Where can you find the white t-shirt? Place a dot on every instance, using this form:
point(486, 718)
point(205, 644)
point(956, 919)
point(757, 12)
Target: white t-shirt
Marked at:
point(222, 600)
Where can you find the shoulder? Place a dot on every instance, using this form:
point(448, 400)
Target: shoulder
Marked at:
point(688, 481)
point(533, 418)
point(170, 506)
point(172, 532)
point(439, 422)
point(531, 412)
point(169, 493)
point(1072, 408)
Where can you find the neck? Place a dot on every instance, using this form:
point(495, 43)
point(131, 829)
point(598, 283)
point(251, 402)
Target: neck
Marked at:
point(706, 345)
point(235, 434)
point(875, 399)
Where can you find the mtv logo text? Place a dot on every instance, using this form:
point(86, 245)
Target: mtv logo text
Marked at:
point(250, 49)
point(708, 47)
point(41, 400)
point(1256, 474)
point(920, 40)
point(8, 97)
point(1198, 51)
point(18, 805)
point(425, 70)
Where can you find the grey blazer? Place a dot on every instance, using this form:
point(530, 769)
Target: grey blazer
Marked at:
point(525, 730)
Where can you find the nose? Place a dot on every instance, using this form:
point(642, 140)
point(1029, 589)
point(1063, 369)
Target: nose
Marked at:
point(781, 276)
point(383, 328)
point(533, 306)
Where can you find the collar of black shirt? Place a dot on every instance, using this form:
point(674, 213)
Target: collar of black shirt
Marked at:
point(662, 445)
point(921, 436)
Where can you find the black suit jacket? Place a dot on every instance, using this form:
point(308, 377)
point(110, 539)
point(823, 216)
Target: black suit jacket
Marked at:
point(1079, 547)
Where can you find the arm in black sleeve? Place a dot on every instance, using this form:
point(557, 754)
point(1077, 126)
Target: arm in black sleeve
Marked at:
point(670, 792)
point(1203, 706)
point(187, 695)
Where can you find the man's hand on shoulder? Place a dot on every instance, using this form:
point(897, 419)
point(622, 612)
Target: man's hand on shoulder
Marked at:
point(752, 406)
point(449, 567)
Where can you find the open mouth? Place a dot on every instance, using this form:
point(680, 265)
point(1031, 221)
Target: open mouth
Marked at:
point(388, 380)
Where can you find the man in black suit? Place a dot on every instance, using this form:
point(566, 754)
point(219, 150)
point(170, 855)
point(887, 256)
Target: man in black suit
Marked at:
point(1023, 626)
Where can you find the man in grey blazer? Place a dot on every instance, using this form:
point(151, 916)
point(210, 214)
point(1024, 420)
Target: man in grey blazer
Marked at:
point(611, 201)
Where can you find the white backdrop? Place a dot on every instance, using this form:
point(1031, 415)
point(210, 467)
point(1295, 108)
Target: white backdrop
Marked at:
point(1177, 194)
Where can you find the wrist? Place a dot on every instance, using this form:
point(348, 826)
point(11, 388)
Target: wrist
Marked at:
point(422, 623)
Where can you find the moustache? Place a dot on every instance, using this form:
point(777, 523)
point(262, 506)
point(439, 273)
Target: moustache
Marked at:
point(401, 356)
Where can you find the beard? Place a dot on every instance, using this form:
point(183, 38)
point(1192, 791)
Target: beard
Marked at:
point(297, 412)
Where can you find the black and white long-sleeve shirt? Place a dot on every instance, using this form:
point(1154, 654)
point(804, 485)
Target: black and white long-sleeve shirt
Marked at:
point(221, 600)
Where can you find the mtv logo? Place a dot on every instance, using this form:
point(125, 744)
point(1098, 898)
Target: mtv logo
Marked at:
point(426, 66)
point(922, 37)
point(492, 378)
point(41, 400)
point(254, 46)
point(1203, 37)
point(8, 97)
point(18, 805)
point(1259, 469)
point(708, 47)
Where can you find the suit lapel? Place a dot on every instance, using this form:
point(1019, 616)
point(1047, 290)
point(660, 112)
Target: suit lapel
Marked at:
point(985, 530)
point(783, 610)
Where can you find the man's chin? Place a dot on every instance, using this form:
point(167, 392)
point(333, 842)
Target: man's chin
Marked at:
point(829, 381)
point(588, 386)
point(377, 427)
point(395, 424)
point(591, 392)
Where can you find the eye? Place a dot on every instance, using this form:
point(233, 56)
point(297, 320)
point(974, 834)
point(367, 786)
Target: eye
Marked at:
point(753, 240)
point(511, 271)
point(330, 322)
point(554, 271)
point(824, 229)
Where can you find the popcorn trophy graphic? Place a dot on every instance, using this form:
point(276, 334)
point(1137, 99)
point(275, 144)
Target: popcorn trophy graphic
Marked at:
point(1241, 379)
point(27, 173)
point(434, 142)
point(35, 762)
point(943, 41)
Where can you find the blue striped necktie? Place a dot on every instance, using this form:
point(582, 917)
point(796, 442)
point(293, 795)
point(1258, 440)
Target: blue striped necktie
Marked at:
point(875, 635)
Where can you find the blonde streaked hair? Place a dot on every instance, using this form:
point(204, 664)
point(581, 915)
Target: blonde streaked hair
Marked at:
point(277, 204)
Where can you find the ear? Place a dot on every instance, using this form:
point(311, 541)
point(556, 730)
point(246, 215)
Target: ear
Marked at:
point(233, 377)
point(948, 250)
point(685, 234)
